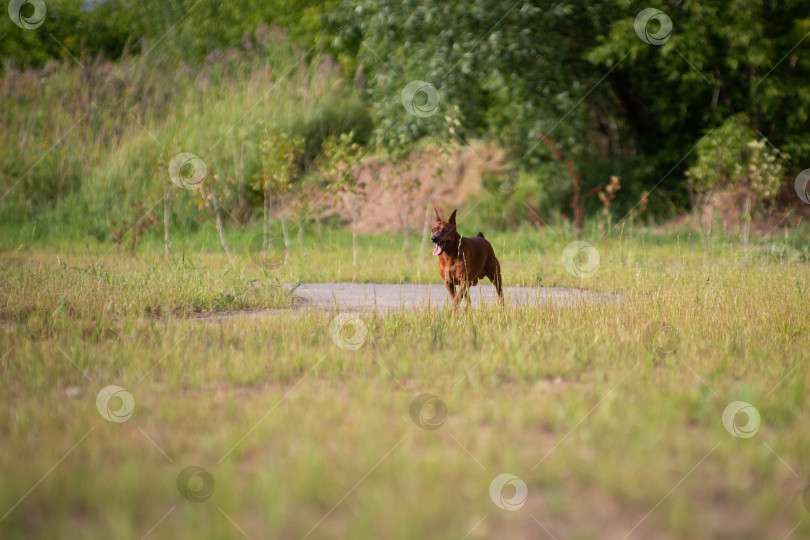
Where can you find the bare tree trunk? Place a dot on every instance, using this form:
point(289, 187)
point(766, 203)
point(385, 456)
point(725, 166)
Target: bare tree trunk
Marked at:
point(220, 230)
point(746, 224)
point(355, 211)
point(705, 217)
point(284, 231)
point(166, 224)
point(406, 244)
point(425, 232)
point(577, 202)
point(403, 220)
point(266, 224)
point(405, 241)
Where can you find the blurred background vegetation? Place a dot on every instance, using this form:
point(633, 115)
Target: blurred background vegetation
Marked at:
point(97, 100)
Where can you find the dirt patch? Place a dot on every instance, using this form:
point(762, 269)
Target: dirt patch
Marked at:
point(400, 195)
point(725, 208)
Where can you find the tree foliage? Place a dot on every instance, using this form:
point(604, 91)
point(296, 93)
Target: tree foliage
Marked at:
point(733, 157)
point(575, 72)
point(579, 73)
point(280, 153)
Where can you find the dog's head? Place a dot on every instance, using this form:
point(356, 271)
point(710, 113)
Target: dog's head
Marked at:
point(443, 233)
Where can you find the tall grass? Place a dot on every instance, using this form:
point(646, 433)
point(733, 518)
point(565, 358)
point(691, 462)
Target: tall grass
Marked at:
point(612, 431)
point(82, 143)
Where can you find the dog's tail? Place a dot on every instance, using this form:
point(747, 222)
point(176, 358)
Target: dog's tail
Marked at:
point(480, 234)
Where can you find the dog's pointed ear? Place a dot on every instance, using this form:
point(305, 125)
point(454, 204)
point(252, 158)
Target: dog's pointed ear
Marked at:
point(438, 217)
point(452, 217)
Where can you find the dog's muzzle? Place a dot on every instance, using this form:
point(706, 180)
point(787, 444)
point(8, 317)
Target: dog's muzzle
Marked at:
point(439, 248)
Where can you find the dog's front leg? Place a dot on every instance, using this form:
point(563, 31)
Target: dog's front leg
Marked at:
point(465, 294)
point(452, 290)
point(459, 296)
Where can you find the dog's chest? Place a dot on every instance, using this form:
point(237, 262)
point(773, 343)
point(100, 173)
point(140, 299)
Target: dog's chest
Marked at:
point(453, 271)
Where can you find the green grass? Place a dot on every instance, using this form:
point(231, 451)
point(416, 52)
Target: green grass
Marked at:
point(301, 435)
point(83, 146)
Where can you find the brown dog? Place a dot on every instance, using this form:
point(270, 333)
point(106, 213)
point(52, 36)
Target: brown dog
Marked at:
point(463, 261)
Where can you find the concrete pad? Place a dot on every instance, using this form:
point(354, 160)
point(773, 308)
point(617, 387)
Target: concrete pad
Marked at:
point(386, 297)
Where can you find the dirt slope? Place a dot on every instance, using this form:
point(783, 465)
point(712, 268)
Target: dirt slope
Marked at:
point(399, 195)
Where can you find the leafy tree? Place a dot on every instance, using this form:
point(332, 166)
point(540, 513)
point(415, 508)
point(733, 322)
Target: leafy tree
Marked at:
point(214, 196)
point(502, 71)
point(340, 157)
point(191, 28)
point(722, 59)
point(733, 157)
point(279, 153)
point(573, 71)
point(578, 71)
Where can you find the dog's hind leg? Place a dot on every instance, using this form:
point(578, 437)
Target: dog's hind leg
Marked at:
point(494, 275)
point(499, 281)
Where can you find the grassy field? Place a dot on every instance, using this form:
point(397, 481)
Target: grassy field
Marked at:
point(611, 415)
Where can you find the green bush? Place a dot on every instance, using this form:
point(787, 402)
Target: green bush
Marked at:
point(332, 119)
point(734, 158)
